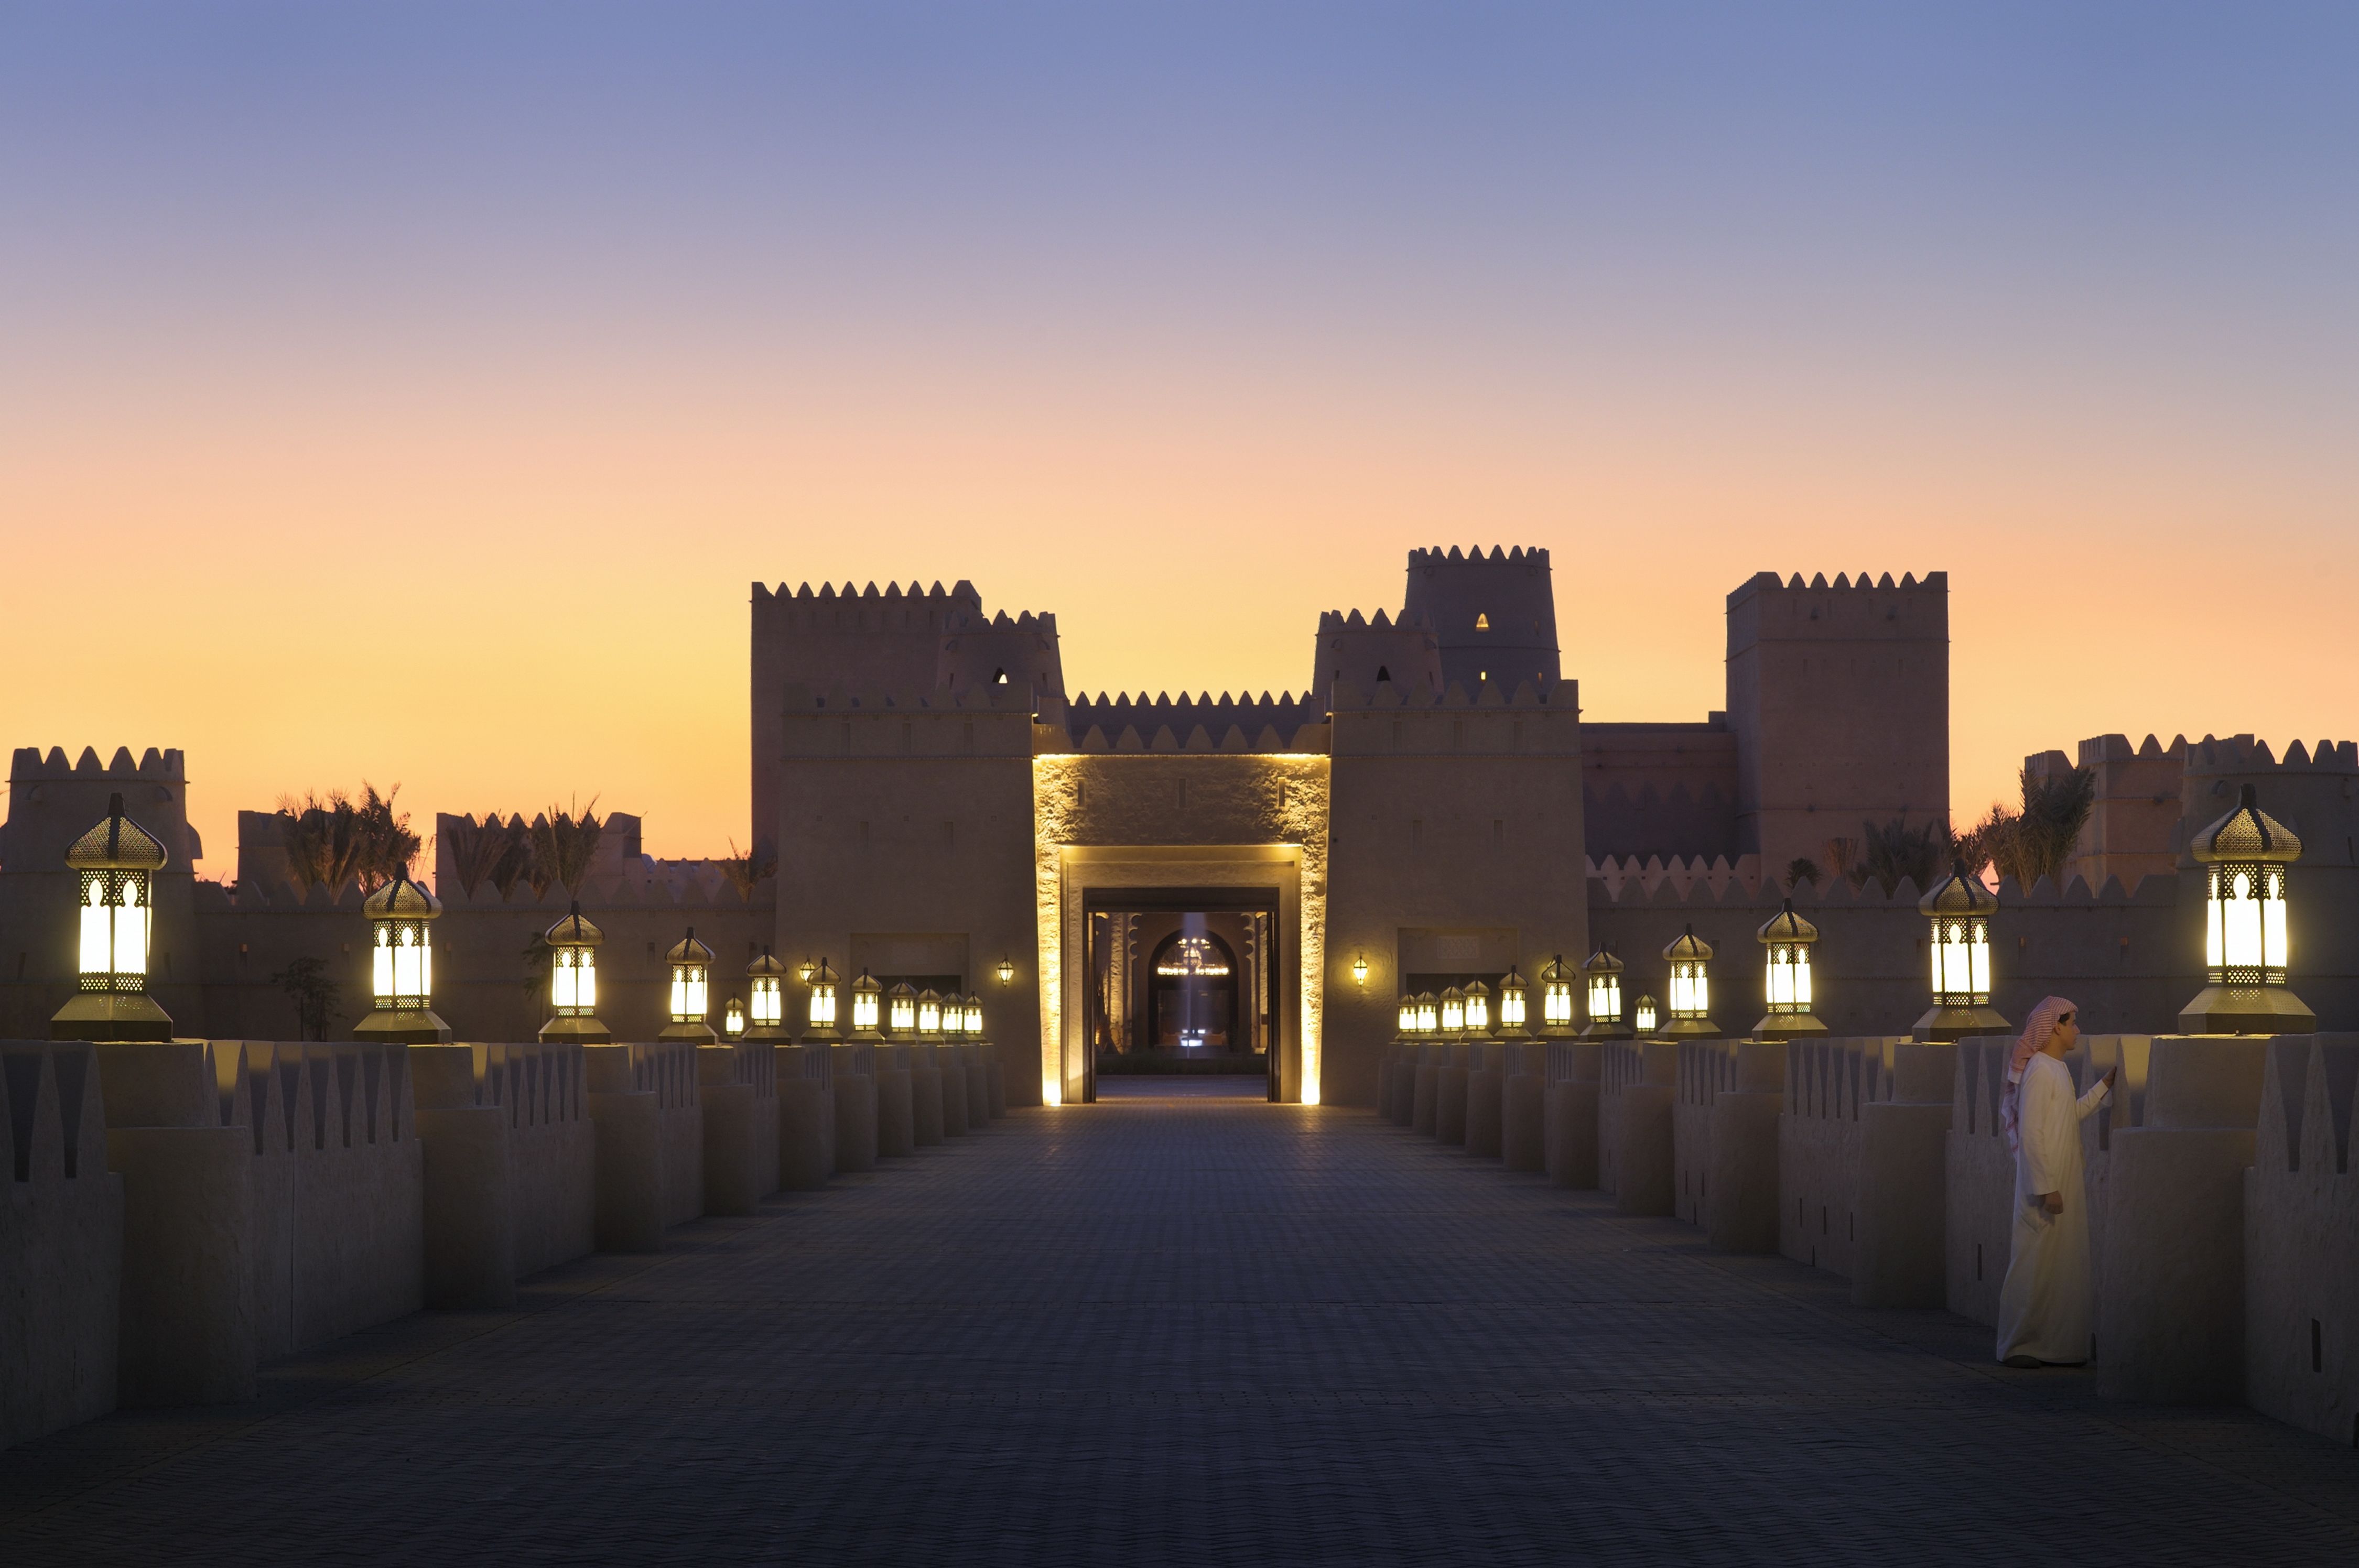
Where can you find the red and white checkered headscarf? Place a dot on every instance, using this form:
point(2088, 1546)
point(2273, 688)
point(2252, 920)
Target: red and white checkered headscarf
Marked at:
point(2036, 1030)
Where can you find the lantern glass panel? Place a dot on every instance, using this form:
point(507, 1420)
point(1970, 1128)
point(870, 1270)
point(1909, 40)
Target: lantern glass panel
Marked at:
point(905, 1014)
point(688, 993)
point(1556, 1002)
point(573, 982)
point(823, 1005)
point(1478, 1013)
point(1645, 1020)
point(1511, 1008)
point(768, 1006)
point(1429, 1019)
point(1454, 1012)
point(864, 1009)
point(1788, 984)
point(930, 1016)
point(1604, 1001)
point(1691, 988)
point(733, 1021)
point(974, 1015)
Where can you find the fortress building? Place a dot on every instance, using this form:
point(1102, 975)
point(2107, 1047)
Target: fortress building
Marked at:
point(1258, 873)
point(1426, 813)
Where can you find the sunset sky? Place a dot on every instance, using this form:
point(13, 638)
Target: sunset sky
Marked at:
point(411, 391)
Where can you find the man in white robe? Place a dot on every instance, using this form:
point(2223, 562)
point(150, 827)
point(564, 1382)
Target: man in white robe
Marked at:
point(2044, 1306)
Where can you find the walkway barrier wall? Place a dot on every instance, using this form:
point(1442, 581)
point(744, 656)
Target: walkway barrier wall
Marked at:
point(510, 1156)
point(1571, 1153)
point(736, 1080)
point(1724, 1138)
point(806, 1118)
point(180, 1214)
point(2301, 1239)
point(1486, 1097)
point(853, 1075)
point(1638, 1080)
point(60, 1240)
point(1450, 1095)
point(1523, 1113)
point(650, 1168)
point(1861, 1172)
point(897, 1123)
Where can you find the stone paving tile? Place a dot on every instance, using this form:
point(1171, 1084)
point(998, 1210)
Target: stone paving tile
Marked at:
point(1179, 1328)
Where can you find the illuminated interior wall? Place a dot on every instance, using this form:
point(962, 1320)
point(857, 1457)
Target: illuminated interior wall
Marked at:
point(1196, 819)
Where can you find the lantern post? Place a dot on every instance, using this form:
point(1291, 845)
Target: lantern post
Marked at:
point(1960, 909)
point(2247, 927)
point(1603, 974)
point(573, 943)
point(115, 865)
point(691, 962)
point(401, 966)
point(1786, 939)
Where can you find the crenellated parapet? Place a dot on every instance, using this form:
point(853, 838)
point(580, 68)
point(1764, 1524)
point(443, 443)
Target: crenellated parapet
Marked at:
point(1493, 615)
point(1367, 650)
point(1196, 723)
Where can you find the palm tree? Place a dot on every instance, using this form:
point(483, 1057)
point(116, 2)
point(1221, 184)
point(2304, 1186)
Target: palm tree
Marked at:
point(333, 840)
point(745, 871)
point(564, 845)
point(1894, 851)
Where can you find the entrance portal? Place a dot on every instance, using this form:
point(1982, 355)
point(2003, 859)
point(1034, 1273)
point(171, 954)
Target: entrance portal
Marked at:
point(1109, 917)
point(1180, 990)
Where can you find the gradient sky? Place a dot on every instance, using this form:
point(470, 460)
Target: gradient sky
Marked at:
point(410, 392)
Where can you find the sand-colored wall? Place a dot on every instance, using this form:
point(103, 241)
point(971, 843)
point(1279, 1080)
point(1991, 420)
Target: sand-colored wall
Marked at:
point(60, 1240)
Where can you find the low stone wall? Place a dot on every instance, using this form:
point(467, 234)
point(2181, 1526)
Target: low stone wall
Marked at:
point(650, 1166)
point(180, 1214)
point(509, 1168)
point(2301, 1239)
point(737, 1083)
point(60, 1240)
point(1572, 1118)
point(1725, 1140)
point(1861, 1177)
point(1638, 1080)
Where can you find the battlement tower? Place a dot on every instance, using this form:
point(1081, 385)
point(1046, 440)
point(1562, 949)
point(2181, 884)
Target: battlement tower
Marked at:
point(1493, 616)
point(1840, 699)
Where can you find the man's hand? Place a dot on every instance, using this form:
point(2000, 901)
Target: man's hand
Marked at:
point(2052, 1202)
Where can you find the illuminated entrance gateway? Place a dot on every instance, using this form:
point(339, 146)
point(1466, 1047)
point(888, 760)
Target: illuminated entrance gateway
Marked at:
point(1266, 875)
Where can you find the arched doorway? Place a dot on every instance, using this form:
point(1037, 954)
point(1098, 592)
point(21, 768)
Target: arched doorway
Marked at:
point(1192, 992)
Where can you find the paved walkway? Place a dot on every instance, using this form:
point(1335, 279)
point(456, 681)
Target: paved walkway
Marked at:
point(1190, 1328)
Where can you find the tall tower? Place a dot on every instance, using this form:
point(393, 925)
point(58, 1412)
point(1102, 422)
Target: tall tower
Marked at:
point(1493, 615)
point(1840, 700)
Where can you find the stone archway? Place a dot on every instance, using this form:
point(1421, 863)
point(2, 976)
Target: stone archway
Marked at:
point(1261, 877)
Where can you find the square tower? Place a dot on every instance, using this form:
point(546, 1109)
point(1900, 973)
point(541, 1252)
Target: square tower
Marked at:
point(1840, 699)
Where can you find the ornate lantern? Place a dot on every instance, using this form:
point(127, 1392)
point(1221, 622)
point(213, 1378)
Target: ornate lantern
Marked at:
point(901, 1010)
point(1960, 908)
point(1478, 1008)
point(1602, 973)
point(1689, 956)
point(1428, 1014)
point(1006, 970)
point(2247, 927)
point(808, 969)
point(1556, 1000)
point(401, 966)
point(1511, 1004)
point(765, 990)
point(1407, 1016)
point(692, 989)
point(1360, 969)
point(929, 1014)
point(1786, 980)
point(1643, 1016)
point(818, 1021)
point(974, 1017)
point(1454, 1010)
point(574, 981)
point(115, 863)
point(866, 996)
point(733, 1019)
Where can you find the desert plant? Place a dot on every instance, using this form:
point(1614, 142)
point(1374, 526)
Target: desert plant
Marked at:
point(332, 839)
point(1894, 851)
point(307, 984)
point(477, 848)
point(1799, 871)
point(2036, 840)
point(563, 845)
point(746, 871)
